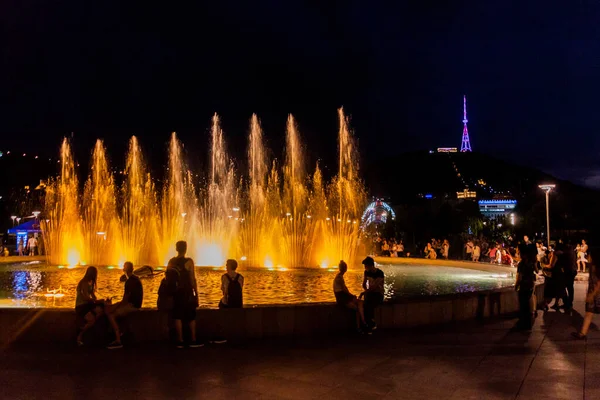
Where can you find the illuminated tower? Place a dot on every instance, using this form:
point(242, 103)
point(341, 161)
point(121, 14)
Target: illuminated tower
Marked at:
point(466, 143)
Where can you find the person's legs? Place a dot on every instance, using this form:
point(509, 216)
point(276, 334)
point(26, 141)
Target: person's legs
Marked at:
point(118, 310)
point(114, 325)
point(587, 321)
point(570, 286)
point(372, 300)
point(369, 309)
point(193, 330)
point(361, 310)
point(90, 320)
point(524, 310)
point(179, 330)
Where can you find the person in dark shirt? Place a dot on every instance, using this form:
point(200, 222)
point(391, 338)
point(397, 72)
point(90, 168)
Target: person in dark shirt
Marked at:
point(132, 301)
point(373, 291)
point(524, 285)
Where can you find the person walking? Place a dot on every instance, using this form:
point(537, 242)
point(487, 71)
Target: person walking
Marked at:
point(524, 286)
point(569, 267)
point(32, 245)
point(185, 300)
point(592, 300)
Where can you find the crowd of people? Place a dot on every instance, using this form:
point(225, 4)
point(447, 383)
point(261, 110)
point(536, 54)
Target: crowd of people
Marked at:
point(25, 247)
point(178, 291)
point(559, 264)
point(178, 295)
point(389, 247)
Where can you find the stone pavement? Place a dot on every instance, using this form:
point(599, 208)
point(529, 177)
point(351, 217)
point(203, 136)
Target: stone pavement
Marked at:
point(461, 361)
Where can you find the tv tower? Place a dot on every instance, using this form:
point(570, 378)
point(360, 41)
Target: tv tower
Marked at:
point(466, 143)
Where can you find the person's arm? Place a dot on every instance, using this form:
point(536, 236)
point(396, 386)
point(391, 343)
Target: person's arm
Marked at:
point(126, 293)
point(190, 267)
point(364, 284)
point(224, 286)
point(377, 285)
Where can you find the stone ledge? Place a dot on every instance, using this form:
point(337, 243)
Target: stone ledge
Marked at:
point(56, 325)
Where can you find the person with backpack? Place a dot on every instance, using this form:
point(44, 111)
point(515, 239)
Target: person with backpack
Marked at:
point(232, 284)
point(185, 299)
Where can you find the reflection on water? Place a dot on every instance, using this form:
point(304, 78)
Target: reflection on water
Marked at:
point(32, 286)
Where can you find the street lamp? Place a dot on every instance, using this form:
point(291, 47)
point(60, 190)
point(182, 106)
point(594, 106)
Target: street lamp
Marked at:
point(547, 188)
point(13, 217)
point(36, 214)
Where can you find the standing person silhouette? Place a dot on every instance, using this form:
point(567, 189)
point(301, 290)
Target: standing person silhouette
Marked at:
point(186, 295)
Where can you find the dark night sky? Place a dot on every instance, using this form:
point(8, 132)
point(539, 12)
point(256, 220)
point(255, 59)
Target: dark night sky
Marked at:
point(531, 72)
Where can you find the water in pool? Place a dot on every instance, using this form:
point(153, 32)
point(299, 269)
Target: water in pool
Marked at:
point(32, 285)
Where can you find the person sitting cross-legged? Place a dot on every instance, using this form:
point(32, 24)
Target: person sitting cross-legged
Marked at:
point(344, 298)
point(132, 301)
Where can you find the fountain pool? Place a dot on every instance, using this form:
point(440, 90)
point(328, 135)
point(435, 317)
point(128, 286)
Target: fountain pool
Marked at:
point(44, 286)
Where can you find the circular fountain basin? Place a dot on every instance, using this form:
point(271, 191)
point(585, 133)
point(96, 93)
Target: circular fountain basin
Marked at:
point(294, 302)
point(45, 286)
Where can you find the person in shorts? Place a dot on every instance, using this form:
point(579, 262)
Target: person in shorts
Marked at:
point(87, 307)
point(344, 298)
point(132, 301)
point(185, 300)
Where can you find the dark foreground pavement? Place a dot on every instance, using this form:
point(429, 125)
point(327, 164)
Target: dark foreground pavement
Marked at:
point(462, 361)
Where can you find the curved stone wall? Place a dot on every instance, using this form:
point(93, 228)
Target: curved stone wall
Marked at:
point(55, 325)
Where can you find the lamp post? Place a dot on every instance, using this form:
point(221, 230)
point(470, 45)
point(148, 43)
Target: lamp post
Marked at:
point(547, 188)
point(13, 217)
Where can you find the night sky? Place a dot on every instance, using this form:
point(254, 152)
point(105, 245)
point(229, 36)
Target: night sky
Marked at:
point(530, 70)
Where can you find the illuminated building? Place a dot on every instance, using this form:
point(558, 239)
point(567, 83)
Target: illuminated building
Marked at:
point(493, 209)
point(466, 194)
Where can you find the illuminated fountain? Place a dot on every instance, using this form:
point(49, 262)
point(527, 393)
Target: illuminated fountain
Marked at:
point(276, 216)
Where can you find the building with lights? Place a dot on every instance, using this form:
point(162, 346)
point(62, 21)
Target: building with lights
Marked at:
point(497, 208)
point(466, 194)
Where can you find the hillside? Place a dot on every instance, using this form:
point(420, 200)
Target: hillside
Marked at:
point(407, 178)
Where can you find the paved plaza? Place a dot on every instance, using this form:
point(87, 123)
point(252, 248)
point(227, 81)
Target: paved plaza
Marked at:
point(460, 361)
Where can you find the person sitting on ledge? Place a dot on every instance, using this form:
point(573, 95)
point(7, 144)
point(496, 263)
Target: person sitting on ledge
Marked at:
point(232, 284)
point(373, 291)
point(344, 298)
point(87, 306)
point(132, 301)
